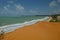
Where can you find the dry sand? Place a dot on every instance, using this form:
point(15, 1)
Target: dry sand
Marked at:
point(38, 31)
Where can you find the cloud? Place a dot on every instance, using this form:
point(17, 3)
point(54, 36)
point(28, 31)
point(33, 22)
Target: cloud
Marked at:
point(15, 10)
point(53, 4)
point(19, 7)
point(33, 11)
point(58, 1)
point(6, 7)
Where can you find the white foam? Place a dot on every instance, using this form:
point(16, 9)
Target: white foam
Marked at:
point(12, 27)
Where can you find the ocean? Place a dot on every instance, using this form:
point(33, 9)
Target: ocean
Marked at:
point(9, 24)
point(14, 20)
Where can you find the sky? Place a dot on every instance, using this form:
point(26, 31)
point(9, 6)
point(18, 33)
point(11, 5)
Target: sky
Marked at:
point(29, 7)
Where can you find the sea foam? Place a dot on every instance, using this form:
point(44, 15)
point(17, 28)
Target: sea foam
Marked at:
point(12, 27)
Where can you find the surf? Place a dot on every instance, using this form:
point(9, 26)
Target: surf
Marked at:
point(12, 27)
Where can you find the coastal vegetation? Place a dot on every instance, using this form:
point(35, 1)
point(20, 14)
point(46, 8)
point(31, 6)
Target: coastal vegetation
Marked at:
point(55, 18)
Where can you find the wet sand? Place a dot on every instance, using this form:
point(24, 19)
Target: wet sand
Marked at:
point(38, 31)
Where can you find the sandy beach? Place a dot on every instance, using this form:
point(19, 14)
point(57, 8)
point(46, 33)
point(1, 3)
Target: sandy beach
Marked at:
point(37, 31)
point(29, 19)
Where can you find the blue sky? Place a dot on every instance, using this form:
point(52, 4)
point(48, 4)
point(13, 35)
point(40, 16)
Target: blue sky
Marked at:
point(29, 7)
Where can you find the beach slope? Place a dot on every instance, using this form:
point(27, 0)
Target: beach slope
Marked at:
point(37, 31)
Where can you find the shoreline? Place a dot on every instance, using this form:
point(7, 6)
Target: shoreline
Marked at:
point(40, 30)
point(10, 28)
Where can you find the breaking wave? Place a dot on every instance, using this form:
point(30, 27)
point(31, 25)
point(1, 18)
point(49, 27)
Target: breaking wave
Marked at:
point(12, 27)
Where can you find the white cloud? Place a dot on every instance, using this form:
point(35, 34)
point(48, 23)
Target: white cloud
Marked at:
point(12, 10)
point(53, 4)
point(19, 7)
point(15, 7)
point(6, 7)
point(58, 1)
point(33, 11)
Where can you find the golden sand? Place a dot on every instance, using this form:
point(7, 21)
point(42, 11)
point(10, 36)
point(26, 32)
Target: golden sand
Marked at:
point(38, 31)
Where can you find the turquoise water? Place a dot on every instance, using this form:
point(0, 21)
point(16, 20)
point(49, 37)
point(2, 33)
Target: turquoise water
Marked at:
point(13, 20)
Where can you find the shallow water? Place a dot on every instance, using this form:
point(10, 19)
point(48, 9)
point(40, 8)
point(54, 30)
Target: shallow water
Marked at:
point(12, 27)
point(14, 20)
